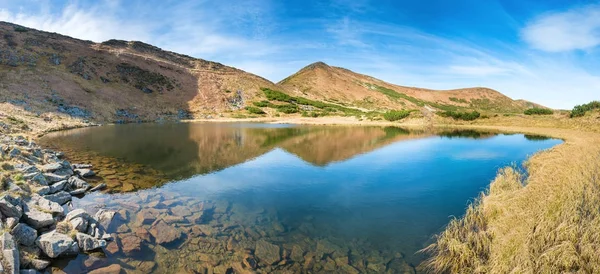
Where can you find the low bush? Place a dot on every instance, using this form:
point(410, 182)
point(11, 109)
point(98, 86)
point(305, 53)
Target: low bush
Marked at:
point(263, 104)
point(580, 110)
point(539, 111)
point(287, 109)
point(395, 115)
point(466, 116)
point(255, 110)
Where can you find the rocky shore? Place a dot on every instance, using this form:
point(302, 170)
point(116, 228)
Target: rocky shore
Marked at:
point(38, 223)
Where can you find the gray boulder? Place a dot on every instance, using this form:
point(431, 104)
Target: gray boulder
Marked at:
point(59, 186)
point(60, 197)
point(85, 172)
point(11, 222)
point(36, 177)
point(51, 167)
point(81, 166)
point(55, 178)
point(76, 183)
point(45, 205)
point(10, 254)
point(88, 243)
point(10, 206)
point(38, 219)
point(24, 234)
point(55, 244)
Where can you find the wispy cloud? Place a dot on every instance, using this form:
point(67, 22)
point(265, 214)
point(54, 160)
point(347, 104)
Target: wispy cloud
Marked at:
point(574, 29)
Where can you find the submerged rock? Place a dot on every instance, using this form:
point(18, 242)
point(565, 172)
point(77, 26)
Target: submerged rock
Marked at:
point(164, 233)
point(267, 252)
point(88, 243)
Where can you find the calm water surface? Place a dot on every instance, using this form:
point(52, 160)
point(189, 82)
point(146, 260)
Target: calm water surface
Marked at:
point(225, 198)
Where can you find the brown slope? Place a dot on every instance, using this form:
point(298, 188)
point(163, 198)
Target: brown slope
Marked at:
point(323, 82)
point(115, 80)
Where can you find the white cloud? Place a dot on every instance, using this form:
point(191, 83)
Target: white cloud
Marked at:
point(94, 24)
point(575, 29)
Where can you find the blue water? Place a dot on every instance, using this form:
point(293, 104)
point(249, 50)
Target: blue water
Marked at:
point(368, 189)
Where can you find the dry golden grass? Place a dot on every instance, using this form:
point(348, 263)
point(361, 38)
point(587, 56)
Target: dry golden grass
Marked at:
point(548, 222)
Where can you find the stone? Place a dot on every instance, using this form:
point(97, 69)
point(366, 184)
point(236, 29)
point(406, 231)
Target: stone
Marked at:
point(60, 197)
point(50, 167)
point(28, 271)
point(147, 216)
point(42, 204)
point(88, 243)
point(104, 218)
point(39, 264)
point(14, 153)
point(85, 172)
point(98, 187)
point(123, 229)
point(10, 253)
point(112, 248)
point(38, 219)
point(127, 187)
point(79, 224)
point(143, 234)
point(93, 262)
point(36, 177)
point(111, 269)
point(77, 192)
point(55, 244)
point(267, 252)
point(77, 213)
point(56, 187)
point(164, 233)
point(24, 234)
point(55, 178)
point(131, 244)
point(76, 183)
point(43, 190)
point(250, 262)
point(81, 166)
point(11, 222)
point(297, 253)
point(181, 211)
point(10, 206)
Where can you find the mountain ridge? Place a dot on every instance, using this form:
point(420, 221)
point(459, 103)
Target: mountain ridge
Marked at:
point(127, 81)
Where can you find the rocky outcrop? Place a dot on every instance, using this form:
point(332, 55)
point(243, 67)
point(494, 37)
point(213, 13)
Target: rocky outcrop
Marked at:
point(32, 217)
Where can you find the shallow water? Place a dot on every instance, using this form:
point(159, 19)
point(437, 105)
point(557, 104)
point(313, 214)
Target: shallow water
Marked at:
point(199, 197)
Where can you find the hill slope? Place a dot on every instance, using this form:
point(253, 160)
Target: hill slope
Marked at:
point(115, 80)
point(320, 81)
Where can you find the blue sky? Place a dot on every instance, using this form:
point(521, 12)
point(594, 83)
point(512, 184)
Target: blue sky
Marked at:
point(544, 51)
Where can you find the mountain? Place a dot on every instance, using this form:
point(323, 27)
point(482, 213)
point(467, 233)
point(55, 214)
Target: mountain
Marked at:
point(115, 80)
point(50, 75)
point(319, 81)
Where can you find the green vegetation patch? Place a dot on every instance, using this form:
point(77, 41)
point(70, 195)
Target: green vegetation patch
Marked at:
point(397, 95)
point(580, 110)
point(142, 79)
point(395, 115)
point(454, 99)
point(539, 111)
point(21, 29)
point(292, 107)
point(466, 116)
point(255, 110)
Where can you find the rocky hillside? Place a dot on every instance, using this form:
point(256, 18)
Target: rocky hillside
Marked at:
point(115, 80)
point(320, 81)
point(54, 77)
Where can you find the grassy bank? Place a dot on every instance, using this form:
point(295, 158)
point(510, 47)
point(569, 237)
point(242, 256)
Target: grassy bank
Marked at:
point(546, 222)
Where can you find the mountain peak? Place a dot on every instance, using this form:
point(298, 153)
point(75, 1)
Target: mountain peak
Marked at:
point(316, 65)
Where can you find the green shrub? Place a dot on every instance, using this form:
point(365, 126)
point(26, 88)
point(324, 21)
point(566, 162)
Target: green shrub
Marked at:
point(255, 110)
point(466, 116)
point(263, 104)
point(539, 111)
point(580, 110)
point(21, 29)
point(454, 99)
point(288, 109)
point(395, 115)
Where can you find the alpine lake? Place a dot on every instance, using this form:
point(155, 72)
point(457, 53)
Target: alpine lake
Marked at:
point(266, 198)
